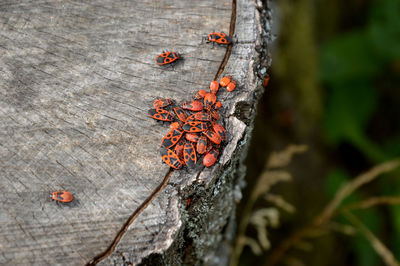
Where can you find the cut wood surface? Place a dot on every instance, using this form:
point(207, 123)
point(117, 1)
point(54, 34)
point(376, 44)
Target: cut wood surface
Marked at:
point(76, 81)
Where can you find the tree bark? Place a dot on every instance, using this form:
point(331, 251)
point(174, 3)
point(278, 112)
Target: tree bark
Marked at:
point(77, 79)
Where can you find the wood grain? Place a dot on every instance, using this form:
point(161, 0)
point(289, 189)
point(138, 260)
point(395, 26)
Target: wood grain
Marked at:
point(76, 81)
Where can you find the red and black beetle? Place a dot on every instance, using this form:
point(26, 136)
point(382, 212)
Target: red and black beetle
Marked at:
point(166, 58)
point(62, 196)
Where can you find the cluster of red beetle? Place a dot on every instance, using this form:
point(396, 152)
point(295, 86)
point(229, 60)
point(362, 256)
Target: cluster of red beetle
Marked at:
point(191, 126)
point(195, 131)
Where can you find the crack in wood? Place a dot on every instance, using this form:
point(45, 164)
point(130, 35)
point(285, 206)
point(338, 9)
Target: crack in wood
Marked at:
point(229, 48)
point(125, 227)
point(164, 183)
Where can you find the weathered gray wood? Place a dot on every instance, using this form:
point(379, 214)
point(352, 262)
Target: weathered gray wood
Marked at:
point(76, 81)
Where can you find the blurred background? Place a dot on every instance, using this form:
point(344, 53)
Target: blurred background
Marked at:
point(334, 88)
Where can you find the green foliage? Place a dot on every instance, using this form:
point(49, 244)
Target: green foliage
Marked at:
point(384, 29)
point(345, 114)
point(392, 146)
point(365, 254)
point(348, 57)
point(393, 190)
point(395, 217)
point(350, 64)
point(363, 251)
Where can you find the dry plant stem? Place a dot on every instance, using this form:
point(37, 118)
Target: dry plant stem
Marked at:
point(345, 229)
point(267, 179)
point(371, 202)
point(283, 158)
point(244, 221)
point(386, 255)
point(264, 182)
point(349, 188)
point(330, 209)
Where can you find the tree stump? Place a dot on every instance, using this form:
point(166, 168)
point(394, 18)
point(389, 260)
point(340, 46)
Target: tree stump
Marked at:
point(77, 79)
